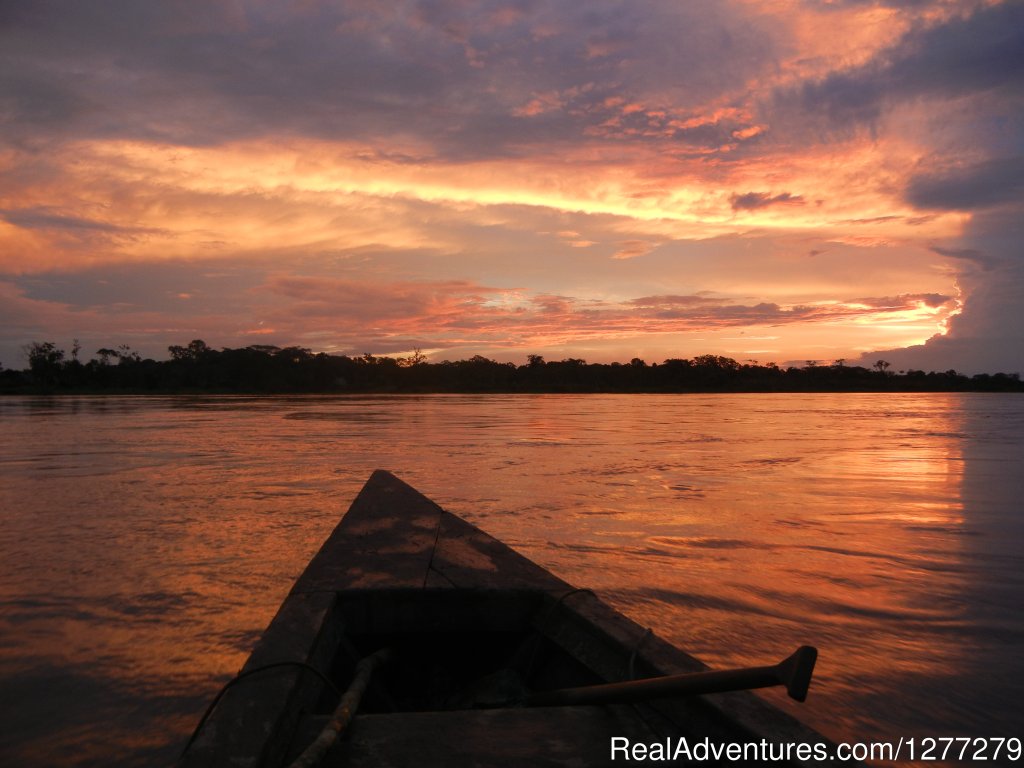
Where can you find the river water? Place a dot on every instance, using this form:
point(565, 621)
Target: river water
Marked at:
point(147, 541)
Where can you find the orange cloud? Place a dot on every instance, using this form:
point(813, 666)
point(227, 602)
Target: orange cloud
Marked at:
point(422, 156)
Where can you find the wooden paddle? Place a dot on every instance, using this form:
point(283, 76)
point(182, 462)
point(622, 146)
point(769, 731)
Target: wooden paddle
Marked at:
point(793, 672)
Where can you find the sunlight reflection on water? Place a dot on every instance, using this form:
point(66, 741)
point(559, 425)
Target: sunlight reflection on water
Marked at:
point(148, 541)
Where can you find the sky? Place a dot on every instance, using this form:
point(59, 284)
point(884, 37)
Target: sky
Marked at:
point(769, 180)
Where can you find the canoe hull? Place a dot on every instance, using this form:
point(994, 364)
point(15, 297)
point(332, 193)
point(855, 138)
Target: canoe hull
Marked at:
point(398, 570)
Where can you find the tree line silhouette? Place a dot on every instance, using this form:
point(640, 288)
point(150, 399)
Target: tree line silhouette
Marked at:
point(198, 368)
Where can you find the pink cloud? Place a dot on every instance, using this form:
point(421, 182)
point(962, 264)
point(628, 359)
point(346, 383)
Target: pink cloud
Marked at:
point(472, 132)
point(631, 249)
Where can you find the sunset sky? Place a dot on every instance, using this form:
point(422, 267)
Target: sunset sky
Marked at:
point(770, 180)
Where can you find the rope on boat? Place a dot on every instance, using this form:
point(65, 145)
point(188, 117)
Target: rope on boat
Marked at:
point(636, 651)
point(344, 712)
point(561, 598)
point(531, 644)
point(648, 632)
point(247, 673)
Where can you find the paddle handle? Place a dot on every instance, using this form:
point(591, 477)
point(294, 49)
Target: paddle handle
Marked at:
point(793, 672)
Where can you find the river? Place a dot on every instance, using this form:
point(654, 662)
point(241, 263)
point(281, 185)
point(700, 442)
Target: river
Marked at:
point(147, 541)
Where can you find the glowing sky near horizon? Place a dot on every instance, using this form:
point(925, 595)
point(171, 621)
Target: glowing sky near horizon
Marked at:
point(774, 181)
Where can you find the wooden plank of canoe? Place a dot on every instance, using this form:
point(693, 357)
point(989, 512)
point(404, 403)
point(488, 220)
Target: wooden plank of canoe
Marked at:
point(467, 558)
point(251, 714)
point(394, 537)
point(505, 738)
point(386, 540)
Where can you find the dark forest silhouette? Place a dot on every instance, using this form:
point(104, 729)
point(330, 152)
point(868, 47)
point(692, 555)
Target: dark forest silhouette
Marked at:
point(198, 367)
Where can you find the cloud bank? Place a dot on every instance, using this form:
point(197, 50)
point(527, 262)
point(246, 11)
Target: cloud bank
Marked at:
point(598, 179)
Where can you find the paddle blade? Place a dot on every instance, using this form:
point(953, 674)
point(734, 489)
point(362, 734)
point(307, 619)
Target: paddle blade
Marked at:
point(795, 672)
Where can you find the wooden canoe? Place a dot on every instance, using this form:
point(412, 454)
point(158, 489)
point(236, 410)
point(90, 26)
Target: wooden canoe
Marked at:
point(470, 625)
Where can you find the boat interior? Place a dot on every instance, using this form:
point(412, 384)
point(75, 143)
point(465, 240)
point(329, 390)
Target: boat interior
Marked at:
point(452, 649)
point(461, 664)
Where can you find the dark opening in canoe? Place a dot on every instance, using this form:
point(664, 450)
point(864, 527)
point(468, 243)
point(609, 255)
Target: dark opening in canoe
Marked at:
point(454, 649)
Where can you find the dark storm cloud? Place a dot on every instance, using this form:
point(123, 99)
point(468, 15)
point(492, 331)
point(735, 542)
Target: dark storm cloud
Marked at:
point(970, 254)
point(982, 185)
point(30, 98)
point(42, 217)
point(840, 4)
point(987, 336)
point(753, 200)
point(328, 297)
point(905, 301)
point(983, 52)
point(673, 300)
point(200, 72)
point(451, 74)
point(971, 70)
point(712, 311)
point(161, 286)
